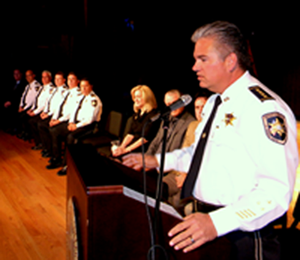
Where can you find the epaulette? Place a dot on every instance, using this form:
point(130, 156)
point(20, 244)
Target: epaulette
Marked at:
point(260, 93)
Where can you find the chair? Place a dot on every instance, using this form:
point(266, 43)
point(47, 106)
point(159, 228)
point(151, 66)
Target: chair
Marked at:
point(106, 149)
point(111, 131)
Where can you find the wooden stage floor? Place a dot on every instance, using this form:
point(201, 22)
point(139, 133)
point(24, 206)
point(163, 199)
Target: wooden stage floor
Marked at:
point(33, 203)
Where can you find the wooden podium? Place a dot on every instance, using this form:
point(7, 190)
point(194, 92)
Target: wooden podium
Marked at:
point(106, 215)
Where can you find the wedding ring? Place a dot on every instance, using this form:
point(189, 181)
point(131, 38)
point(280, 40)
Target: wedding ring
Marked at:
point(192, 240)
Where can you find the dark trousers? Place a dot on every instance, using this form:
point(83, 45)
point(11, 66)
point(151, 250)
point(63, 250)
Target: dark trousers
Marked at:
point(23, 121)
point(33, 124)
point(44, 132)
point(9, 117)
point(60, 134)
point(262, 244)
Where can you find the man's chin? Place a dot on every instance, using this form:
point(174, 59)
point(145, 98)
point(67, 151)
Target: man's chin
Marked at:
point(201, 85)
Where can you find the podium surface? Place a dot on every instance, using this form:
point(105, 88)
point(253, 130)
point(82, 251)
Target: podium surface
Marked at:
point(106, 215)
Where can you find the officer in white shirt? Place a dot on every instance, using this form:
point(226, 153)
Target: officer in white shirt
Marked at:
point(83, 119)
point(247, 170)
point(39, 105)
point(60, 115)
point(30, 92)
point(28, 98)
point(53, 104)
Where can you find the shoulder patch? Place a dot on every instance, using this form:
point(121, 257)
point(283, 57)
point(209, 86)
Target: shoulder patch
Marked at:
point(275, 126)
point(94, 103)
point(260, 93)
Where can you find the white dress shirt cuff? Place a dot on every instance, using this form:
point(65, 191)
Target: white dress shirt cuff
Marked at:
point(224, 220)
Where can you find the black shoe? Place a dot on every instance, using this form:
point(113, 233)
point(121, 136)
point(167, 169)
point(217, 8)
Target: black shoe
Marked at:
point(44, 151)
point(63, 171)
point(20, 135)
point(45, 154)
point(56, 163)
point(25, 136)
point(37, 147)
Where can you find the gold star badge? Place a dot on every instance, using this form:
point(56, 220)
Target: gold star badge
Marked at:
point(229, 119)
point(276, 128)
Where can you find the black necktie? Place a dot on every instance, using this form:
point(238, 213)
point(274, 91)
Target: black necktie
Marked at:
point(24, 96)
point(190, 180)
point(60, 113)
point(77, 111)
point(49, 102)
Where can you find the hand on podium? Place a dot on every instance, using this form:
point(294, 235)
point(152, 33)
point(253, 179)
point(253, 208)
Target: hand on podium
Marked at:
point(135, 161)
point(195, 230)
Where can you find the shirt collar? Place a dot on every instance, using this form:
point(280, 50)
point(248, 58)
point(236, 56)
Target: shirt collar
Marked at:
point(235, 89)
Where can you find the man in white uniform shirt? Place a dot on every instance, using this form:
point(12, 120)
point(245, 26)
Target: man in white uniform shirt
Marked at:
point(52, 106)
point(30, 91)
point(248, 167)
point(83, 118)
point(27, 100)
point(61, 114)
point(39, 105)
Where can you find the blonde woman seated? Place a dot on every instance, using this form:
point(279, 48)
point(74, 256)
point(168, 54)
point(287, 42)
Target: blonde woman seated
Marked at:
point(144, 108)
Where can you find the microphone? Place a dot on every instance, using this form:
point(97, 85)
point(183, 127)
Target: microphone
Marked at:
point(183, 101)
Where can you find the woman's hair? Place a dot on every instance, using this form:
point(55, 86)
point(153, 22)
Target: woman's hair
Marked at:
point(147, 95)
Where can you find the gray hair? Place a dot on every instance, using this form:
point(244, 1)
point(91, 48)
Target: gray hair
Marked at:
point(229, 38)
point(48, 72)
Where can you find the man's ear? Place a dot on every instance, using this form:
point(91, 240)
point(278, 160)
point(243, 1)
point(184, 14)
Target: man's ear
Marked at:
point(231, 62)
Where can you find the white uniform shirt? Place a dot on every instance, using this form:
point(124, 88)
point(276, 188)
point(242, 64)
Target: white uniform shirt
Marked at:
point(246, 166)
point(89, 112)
point(56, 99)
point(29, 94)
point(68, 106)
point(42, 98)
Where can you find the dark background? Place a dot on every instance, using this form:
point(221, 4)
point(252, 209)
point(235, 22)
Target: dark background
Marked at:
point(95, 38)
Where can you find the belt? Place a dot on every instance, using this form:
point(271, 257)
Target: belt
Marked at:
point(191, 205)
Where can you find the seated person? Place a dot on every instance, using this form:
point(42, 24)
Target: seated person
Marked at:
point(54, 103)
point(179, 120)
point(10, 105)
point(66, 104)
point(34, 112)
point(86, 114)
point(144, 108)
point(31, 91)
point(175, 179)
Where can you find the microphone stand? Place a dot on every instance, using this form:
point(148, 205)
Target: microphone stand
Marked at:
point(160, 175)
